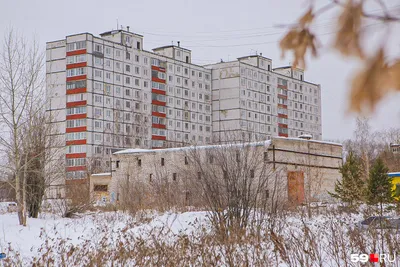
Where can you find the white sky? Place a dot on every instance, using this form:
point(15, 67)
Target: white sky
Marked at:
point(214, 30)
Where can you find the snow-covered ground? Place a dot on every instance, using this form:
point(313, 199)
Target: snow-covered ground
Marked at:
point(113, 231)
point(27, 240)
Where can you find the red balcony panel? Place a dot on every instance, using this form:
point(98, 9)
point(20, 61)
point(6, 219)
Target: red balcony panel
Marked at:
point(159, 126)
point(76, 116)
point(284, 135)
point(75, 155)
point(157, 91)
point(158, 114)
point(282, 96)
point(157, 68)
point(282, 116)
point(156, 79)
point(159, 103)
point(282, 125)
point(76, 65)
point(75, 142)
point(282, 86)
point(76, 52)
point(76, 104)
point(158, 137)
point(76, 129)
point(76, 91)
point(282, 106)
point(76, 78)
point(76, 168)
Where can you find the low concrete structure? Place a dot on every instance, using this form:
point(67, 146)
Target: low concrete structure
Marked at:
point(307, 169)
point(99, 188)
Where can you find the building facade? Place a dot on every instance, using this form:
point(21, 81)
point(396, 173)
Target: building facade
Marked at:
point(250, 96)
point(106, 93)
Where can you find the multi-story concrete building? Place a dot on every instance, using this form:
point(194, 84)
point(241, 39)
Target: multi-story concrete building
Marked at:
point(251, 97)
point(108, 93)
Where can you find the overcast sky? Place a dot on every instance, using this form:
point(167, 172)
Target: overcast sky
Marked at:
point(214, 30)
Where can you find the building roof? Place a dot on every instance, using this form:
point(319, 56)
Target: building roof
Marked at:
point(140, 151)
point(169, 46)
point(287, 67)
point(102, 174)
point(394, 174)
point(253, 56)
point(116, 31)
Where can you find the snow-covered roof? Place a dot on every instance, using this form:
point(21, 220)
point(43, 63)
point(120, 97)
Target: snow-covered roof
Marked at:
point(138, 150)
point(305, 140)
point(102, 174)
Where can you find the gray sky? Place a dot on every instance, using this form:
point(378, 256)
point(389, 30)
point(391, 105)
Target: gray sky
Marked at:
point(214, 30)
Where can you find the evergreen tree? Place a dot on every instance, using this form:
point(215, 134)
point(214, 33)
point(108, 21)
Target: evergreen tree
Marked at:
point(379, 188)
point(350, 188)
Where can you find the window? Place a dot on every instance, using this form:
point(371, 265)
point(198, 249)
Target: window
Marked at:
point(76, 123)
point(162, 162)
point(76, 59)
point(186, 161)
point(266, 156)
point(76, 46)
point(128, 56)
point(251, 173)
point(76, 72)
point(139, 162)
point(174, 176)
point(76, 84)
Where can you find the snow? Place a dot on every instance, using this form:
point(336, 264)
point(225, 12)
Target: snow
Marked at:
point(305, 140)
point(27, 240)
point(139, 150)
point(102, 174)
point(394, 174)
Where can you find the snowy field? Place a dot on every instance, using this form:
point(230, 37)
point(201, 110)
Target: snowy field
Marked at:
point(179, 239)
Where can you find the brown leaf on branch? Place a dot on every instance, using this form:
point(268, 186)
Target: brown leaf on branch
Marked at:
point(371, 84)
point(298, 41)
point(307, 18)
point(349, 30)
point(394, 76)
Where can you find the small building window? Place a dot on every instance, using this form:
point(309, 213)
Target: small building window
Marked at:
point(162, 162)
point(150, 177)
point(266, 156)
point(251, 173)
point(186, 161)
point(100, 188)
point(174, 176)
point(117, 164)
point(139, 162)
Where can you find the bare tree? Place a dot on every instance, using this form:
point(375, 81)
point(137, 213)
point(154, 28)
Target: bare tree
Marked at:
point(235, 181)
point(21, 80)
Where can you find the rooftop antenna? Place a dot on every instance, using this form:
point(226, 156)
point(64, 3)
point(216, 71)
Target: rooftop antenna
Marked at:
point(117, 25)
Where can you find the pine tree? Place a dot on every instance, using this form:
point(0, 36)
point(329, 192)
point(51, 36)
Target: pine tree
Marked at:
point(350, 188)
point(379, 188)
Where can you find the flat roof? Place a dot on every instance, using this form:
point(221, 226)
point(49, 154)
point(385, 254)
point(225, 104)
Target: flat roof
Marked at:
point(139, 150)
point(115, 31)
point(169, 46)
point(254, 56)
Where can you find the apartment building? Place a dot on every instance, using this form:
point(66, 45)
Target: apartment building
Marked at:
point(106, 93)
point(252, 97)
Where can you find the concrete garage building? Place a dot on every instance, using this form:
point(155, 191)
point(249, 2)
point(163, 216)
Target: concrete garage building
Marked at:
point(302, 168)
